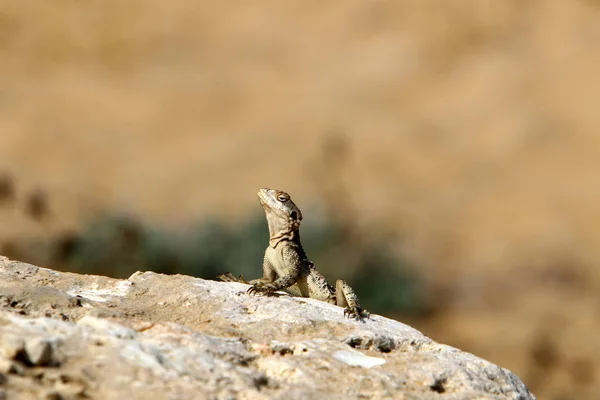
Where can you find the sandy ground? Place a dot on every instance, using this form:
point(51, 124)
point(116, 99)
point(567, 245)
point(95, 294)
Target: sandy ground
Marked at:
point(467, 129)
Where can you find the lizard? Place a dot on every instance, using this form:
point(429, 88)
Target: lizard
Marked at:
point(286, 266)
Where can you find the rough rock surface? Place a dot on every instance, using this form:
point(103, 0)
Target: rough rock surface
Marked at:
point(152, 336)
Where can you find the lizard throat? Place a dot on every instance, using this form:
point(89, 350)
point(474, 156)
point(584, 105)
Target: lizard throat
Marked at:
point(274, 241)
point(280, 231)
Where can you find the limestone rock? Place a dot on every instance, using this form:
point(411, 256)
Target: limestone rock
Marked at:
point(153, 336)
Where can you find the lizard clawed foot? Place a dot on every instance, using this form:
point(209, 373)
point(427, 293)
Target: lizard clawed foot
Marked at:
point(357, 313)
point(261, 287)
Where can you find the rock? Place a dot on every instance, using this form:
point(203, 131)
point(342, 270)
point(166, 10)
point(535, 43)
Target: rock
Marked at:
point(177, 337)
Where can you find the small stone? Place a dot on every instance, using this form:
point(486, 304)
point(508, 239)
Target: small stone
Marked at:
point(357, 359)
point(16, 369)
point(39, 351)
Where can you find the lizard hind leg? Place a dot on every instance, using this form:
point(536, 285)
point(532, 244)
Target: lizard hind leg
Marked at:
point(345, 297)
point(229, 277)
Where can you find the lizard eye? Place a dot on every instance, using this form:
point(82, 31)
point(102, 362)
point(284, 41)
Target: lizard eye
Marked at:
point(282, 198)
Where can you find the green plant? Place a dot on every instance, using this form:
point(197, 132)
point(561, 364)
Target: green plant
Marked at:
point(119, 244)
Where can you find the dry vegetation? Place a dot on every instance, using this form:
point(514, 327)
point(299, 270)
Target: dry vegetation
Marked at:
point(468, 131)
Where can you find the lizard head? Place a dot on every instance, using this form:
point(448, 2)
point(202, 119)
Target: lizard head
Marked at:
point(283, 216)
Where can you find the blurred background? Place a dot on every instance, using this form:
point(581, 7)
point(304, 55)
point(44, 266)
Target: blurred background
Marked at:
point(446, 155)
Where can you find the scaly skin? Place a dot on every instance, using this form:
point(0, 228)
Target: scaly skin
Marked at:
point(286, 266)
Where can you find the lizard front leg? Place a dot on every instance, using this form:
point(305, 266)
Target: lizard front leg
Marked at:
point(278, 277)
point(263, 286)
point(345, 297)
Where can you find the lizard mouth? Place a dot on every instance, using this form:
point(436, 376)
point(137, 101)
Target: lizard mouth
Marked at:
point(264, 198)
point(278, 203)
point(264, 191)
